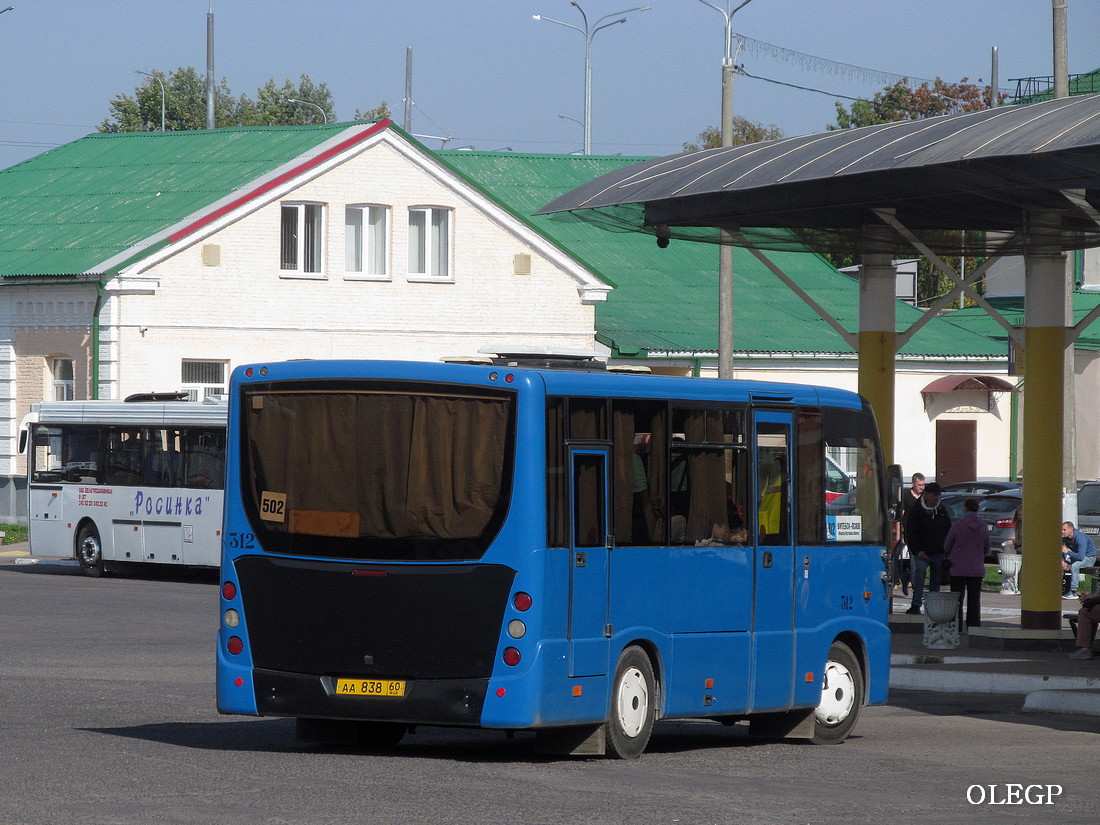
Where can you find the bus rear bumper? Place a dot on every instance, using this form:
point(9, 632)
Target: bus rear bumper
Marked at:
point(426, 701)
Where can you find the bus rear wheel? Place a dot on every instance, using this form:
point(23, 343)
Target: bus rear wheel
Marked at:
point(89, 551)
point(633, 705)
point(841, 696)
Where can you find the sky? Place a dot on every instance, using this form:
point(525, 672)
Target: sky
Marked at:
point(487, 75)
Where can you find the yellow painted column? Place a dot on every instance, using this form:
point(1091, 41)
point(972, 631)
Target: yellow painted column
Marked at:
point(878, 331)
point(876, 381)
point(1046, 309)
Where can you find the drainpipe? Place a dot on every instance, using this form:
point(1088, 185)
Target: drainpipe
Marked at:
point(99, 299)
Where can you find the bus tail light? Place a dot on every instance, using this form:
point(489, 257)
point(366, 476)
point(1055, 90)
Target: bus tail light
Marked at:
point(517, 629)
point(522, 601)
point(232, 618)
point(229, 591)
point(235, 645)
point(511, 656)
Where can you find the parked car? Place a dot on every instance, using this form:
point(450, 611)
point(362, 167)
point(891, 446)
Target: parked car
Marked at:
point(954, 504)
point(1088, 508)
point(1001, 512)
point(982, 488)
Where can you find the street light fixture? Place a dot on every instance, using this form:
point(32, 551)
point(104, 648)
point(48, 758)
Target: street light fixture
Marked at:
point(589, 31)
point(324, 114)
point(163, 94)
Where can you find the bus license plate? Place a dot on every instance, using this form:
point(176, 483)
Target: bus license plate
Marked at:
point(370, 687)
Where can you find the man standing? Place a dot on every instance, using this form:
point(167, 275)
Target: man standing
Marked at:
point(903, 570)
point(1080, 551)
point(926, 527)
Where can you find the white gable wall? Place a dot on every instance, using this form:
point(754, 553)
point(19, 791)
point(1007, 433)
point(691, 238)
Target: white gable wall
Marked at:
point(247, 309)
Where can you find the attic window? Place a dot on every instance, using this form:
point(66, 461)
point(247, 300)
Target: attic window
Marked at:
point(300, 237)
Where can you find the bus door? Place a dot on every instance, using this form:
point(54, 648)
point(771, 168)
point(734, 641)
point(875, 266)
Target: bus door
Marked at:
point(49, 534)
point(589, 564)
point(773, 597)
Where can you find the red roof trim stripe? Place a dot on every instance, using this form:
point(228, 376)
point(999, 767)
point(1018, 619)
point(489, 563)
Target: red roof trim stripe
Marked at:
point(278, 181)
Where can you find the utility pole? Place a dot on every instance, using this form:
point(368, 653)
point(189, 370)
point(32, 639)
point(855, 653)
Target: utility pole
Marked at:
point(408, 122)
point(1069, 409)
point(725, 248)
point(210, 67)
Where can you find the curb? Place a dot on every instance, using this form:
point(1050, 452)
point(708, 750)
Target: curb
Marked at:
point(1077, 702)
point(908, 678)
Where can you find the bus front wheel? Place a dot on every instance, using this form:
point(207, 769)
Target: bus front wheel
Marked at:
point(841, 696)
point(633, 705)
point(89, 551)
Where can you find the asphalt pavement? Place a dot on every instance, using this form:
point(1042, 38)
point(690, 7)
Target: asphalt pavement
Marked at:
point(999, 657)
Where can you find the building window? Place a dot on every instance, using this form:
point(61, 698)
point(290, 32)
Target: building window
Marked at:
point(64, 385)
point(202, 379)
point(365, 250)
point(429, 242)
point(301, 237)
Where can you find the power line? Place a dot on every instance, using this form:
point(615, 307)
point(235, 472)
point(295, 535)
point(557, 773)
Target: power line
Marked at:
point(796, 86)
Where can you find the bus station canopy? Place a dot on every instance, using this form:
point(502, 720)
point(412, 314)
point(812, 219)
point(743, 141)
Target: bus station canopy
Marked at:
point(965, 184)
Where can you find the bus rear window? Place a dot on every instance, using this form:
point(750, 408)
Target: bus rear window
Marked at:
point(390, 473)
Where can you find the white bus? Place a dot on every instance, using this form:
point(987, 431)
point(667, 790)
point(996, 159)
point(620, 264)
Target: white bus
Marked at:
point(111, 482)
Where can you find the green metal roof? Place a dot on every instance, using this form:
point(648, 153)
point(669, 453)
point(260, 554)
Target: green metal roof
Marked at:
point(975, 319)
point(68, 210)
point(666, 299)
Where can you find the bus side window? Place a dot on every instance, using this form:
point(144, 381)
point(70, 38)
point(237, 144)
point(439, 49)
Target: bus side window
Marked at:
point(125, 457)
point(204, 459)
point(162, 459)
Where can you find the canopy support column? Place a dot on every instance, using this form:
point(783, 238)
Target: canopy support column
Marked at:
point(878, 331)
point(1046, 314)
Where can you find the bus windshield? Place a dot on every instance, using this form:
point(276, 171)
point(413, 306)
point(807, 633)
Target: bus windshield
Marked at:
point(372, 471)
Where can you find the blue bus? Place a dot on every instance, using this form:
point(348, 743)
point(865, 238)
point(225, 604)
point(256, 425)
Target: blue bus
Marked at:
point(550, 546)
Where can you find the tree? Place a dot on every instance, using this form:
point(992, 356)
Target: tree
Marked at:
point(904, 102)
point(185, 104)
point(380, 112)
point(744, 131)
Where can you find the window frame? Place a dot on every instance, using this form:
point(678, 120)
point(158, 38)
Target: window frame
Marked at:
point(366, 242)
point(199, 390)
point(66, 386)
point(302, 227)
point(438, 268)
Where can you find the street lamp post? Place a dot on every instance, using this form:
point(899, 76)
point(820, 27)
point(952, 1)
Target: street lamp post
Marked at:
point(725, 250)
point(589, 31)
point(163, 95)
point(324, 114)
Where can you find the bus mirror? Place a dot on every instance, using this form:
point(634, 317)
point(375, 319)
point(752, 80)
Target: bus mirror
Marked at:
point(22, 441)
point(894, 491)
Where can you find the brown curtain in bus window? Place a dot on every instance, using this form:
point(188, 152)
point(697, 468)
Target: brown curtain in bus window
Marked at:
point(810, 494)
point(557, 510)
point(588, 519)
point(706, 480)
point(407, 466)
point(622, 435)
point(658, 478)
point(456, 465)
